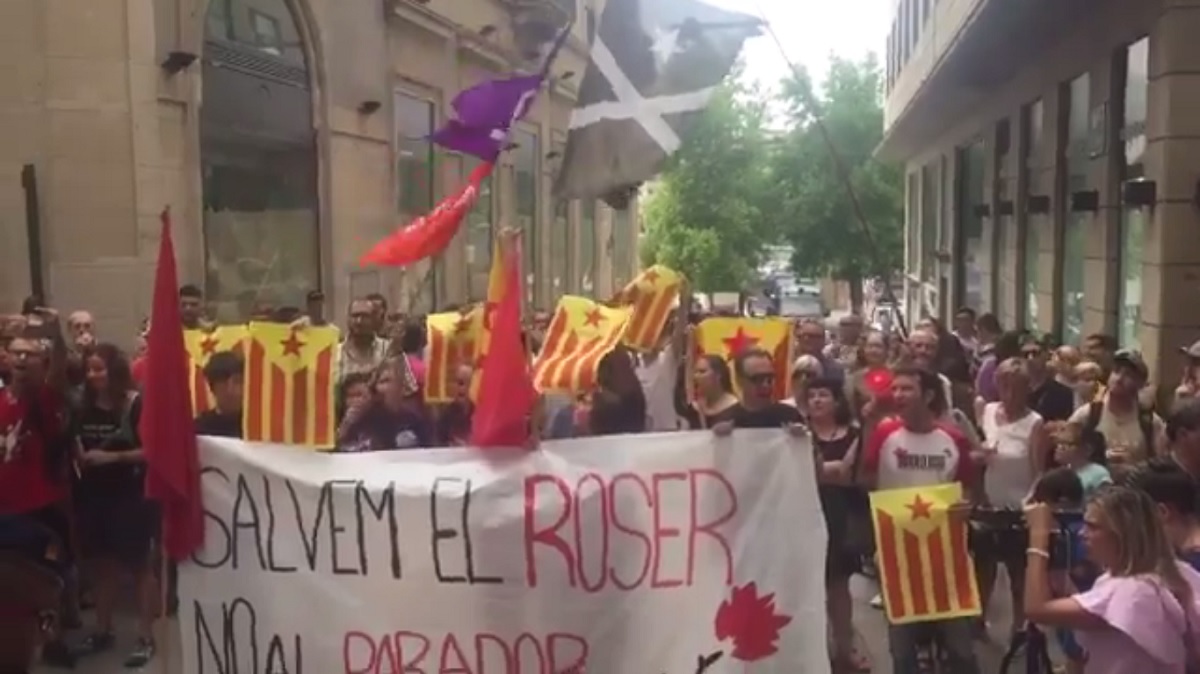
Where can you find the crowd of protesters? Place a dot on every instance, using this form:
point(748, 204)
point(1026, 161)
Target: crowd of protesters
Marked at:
point(1020, 422)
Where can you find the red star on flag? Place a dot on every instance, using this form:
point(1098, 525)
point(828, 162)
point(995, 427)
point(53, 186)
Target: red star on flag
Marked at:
point(292, 345)
point(209, 346)
point(739, 342)
point(594, 318)
point(920, 508)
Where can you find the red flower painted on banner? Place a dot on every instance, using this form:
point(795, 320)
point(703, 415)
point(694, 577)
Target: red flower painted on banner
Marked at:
point(751, 622)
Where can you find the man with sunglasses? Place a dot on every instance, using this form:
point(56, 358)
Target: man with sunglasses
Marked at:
point(755, 370)
point(1052, 399)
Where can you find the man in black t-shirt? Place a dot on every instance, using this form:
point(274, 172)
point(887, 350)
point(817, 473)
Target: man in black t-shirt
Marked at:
point(224, 376)
point(1050, 398)
point(755, 371)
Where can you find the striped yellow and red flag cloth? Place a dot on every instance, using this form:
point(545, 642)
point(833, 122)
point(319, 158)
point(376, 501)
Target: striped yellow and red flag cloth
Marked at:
point(727, 337)
point(652, 295)
point(495, 291)
point(201, 345)
point(290, 377)
point(453, 339)
point(581, 333)
point(925, 569)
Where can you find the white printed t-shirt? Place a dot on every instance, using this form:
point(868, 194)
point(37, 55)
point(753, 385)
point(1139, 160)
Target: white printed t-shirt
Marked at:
point(901, 458)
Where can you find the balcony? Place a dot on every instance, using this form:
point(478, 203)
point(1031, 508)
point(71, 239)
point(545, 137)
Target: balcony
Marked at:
point(972, 48)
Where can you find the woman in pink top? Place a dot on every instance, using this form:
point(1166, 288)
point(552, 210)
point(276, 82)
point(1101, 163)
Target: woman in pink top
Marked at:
point(1143, 614)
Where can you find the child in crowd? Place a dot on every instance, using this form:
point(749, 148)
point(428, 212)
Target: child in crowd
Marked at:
point(224, 376)
point(1078, 450)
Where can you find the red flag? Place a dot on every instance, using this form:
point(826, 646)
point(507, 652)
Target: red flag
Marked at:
point(167, 427)
point(506, 394)
point(430, 234)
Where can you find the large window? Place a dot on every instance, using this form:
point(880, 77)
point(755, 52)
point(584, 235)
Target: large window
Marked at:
point(1006, 239)
point(257, 163)
point(622, 247)
point(976, 252)
point(587, 248)
point(479, 237)
point(912, 228)
point(1133, 220)
point(1078, 96)
point(929, 221)
point(1032, 127)
point(415, 120)
point(526, 160)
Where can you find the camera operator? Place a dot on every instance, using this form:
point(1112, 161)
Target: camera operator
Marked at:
point(1141, 615)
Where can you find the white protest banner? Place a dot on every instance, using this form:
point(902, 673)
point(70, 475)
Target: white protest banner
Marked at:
point(671, 553)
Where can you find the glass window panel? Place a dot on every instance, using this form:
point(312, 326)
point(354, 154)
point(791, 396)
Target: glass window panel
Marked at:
point(415, 171)
point(929, 221)
point(913, 225)
point(977, 252)
point(1076, 226)
point(1133, 220)
point(526, 173)
point(260, 227)
point(479, 237)
point(266, 26)
point(587, 248)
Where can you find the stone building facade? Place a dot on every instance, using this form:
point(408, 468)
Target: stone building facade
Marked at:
point(1053, 165)
point(285, 135)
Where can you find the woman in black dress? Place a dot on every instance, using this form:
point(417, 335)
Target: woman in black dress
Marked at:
point(837, 439)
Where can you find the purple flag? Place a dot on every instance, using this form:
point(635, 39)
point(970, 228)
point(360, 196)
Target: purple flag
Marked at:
point(484, 113)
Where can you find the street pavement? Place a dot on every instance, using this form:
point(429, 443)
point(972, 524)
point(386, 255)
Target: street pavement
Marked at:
point(869, 623)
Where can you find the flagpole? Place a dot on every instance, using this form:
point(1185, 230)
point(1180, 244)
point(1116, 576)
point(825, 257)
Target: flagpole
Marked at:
point(839, 165)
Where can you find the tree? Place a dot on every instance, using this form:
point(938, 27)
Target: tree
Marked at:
point(705, 217)
point(805, 184)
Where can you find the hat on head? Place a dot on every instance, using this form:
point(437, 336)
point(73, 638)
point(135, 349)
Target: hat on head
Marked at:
point(1131, 358)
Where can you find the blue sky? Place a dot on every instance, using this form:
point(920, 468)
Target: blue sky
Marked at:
point(810, 30)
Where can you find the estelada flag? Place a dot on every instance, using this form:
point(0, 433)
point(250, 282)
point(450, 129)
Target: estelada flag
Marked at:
point(201, 345)
point(452, 341)
point(495, 292)
point(430, 234)
point(289, 396)
point(727, 337)
point(652, 295)
point(925, 570)
point(581, 333)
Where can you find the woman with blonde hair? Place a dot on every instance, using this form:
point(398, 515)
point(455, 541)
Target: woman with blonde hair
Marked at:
point(806, 368)
point(1142, 615)
point(1013, 452)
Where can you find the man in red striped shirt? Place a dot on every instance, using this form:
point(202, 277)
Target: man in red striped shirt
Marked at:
point(917, 449)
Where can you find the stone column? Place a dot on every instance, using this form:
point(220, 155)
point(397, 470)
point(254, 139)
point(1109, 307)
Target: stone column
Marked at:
point(1171, 252)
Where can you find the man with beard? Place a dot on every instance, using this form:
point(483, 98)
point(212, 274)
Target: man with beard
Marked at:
point(1131, 432)
point(363, 349)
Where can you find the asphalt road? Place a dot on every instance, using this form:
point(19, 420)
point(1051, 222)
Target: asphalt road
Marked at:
point(869, 622)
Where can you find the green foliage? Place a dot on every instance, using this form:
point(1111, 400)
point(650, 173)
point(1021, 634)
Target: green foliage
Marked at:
point(706, 215)
point(736, 186)
point(806, 185)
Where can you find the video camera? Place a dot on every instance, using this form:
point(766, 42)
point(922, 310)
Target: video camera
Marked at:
point(1003, 533)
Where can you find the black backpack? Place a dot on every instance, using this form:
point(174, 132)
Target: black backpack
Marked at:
point(1145, 422)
